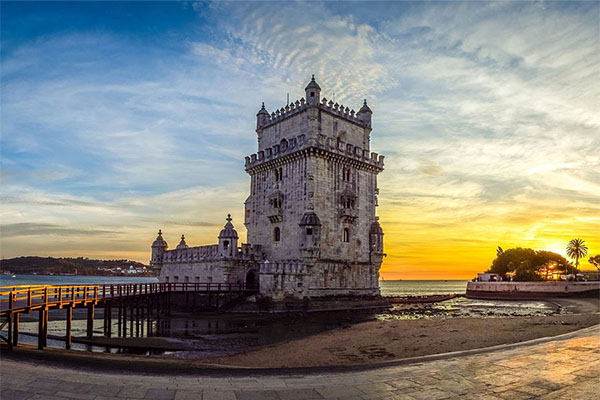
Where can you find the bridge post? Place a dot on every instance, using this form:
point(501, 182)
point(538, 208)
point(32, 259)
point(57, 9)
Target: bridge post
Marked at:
point(124, 319)
point(9, 318)
point(109, 318)
point(69, 309)
point(131, 318)
point(119, 316)
point(90, 320)
point(137, 317)
point(42, 328)
point(15, 338)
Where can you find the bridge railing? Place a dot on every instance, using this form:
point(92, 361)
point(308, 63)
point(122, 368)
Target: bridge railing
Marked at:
point(12, 297)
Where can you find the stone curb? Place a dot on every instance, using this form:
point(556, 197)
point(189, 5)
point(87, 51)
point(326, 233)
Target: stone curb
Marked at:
point(169, 367)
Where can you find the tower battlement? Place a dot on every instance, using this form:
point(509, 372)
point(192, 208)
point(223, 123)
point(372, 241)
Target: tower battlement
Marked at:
point(328, 144)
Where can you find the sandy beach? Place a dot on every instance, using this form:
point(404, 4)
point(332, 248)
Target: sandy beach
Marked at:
point(374, 341)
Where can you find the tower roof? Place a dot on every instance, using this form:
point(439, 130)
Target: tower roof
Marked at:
point(263, 110)
point(182, 244)
point(160, 242)
point(365, 108)
point(228, 231)
point(310, 218)
point(313, 84)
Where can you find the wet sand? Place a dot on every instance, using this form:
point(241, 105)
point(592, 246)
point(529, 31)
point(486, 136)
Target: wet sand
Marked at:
point(382, 340)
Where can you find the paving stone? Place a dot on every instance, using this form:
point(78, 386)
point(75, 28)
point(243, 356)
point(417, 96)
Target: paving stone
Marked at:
point(218, 395)
point(430, 394)
point(299, 394)
point(78, 396)
point(10, 394)
point(257, 395)
point(105, 390)
point(187, 394)
point(133, 392)
point(338, 391)
point(160, 394)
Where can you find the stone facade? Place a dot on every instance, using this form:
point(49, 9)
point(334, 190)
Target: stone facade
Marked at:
point(311, 213)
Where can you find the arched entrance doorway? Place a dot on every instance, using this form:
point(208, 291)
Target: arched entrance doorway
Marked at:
point(252, 279)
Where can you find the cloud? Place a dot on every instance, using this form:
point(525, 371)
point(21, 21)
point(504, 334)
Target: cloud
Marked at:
point(486, 112)
point(33, 229)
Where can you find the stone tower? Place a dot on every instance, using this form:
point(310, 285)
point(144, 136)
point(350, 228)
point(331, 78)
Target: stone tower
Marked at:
point(313, 196)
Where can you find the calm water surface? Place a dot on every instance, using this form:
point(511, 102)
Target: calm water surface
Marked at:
point(209, 333)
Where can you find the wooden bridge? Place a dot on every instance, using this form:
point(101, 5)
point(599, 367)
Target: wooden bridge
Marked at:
point(139, 301)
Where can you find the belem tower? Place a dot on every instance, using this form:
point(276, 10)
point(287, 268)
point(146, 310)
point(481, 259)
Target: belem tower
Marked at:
point(310, 216)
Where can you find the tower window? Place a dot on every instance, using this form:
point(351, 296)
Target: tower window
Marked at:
point(312, 94)
point(346, 174)
point(278, 172)
point(309, 231)
point(226, 243)
point(276, 234)
point(346, 236)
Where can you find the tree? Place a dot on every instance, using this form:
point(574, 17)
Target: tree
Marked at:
point(595, 261)
point(527, 264)
point(577, 249)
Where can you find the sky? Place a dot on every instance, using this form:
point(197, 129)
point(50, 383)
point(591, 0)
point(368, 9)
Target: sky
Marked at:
point(118, 119)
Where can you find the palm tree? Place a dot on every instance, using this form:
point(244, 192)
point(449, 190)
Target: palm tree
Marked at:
point(577, 249)
point(499, 251)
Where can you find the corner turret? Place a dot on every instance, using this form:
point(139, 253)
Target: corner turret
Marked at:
point(313, 92)
point(182, 244)
point(262, 117)
point(228, 239)
point(159, 246)
point(364, 114)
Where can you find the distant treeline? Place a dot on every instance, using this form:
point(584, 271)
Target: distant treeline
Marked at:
point(73, 266)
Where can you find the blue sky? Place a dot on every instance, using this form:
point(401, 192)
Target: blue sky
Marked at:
point(120, 118)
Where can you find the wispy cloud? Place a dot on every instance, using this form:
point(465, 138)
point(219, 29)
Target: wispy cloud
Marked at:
point(487, 113)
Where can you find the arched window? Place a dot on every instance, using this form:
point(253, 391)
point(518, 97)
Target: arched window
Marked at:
point(346, 236)
point(276, 234)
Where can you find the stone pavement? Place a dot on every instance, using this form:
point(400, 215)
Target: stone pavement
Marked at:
point(567, 367)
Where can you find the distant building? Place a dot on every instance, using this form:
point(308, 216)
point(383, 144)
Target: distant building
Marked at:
point(310, 215)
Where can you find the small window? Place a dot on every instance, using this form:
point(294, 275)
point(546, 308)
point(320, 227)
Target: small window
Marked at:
point(175, 278)
point(197, 279)
point(312, 94)
point(166, 279)
point(247, 213)
point(186, 279)
point(226, 243)
point(346, 235)
point(309, 231)
point(276, 234)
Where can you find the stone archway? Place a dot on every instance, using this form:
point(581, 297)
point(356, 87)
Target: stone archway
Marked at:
point(252, 279)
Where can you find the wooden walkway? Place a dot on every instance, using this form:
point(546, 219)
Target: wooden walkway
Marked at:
point(142, 301)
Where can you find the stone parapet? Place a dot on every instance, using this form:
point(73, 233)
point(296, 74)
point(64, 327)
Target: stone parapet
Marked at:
point(300, 105)
point(322, 142)
point(210, 252)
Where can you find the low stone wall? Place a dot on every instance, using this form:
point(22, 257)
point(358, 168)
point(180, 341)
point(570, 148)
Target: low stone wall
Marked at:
point(531, 290)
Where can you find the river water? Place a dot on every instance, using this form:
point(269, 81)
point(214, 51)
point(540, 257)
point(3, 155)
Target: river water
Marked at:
point(211, 333)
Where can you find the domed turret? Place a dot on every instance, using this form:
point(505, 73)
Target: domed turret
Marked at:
point(228, 231)
point(376, 237)
point(159, 246)
point(182, 244)
point(364, 114)
point(228, 239)
point(262, 117)
point(313, 92)
point(160, 243)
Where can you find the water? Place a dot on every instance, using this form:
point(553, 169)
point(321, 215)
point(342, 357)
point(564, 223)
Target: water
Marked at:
point(186, 335)
point(421, 288)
